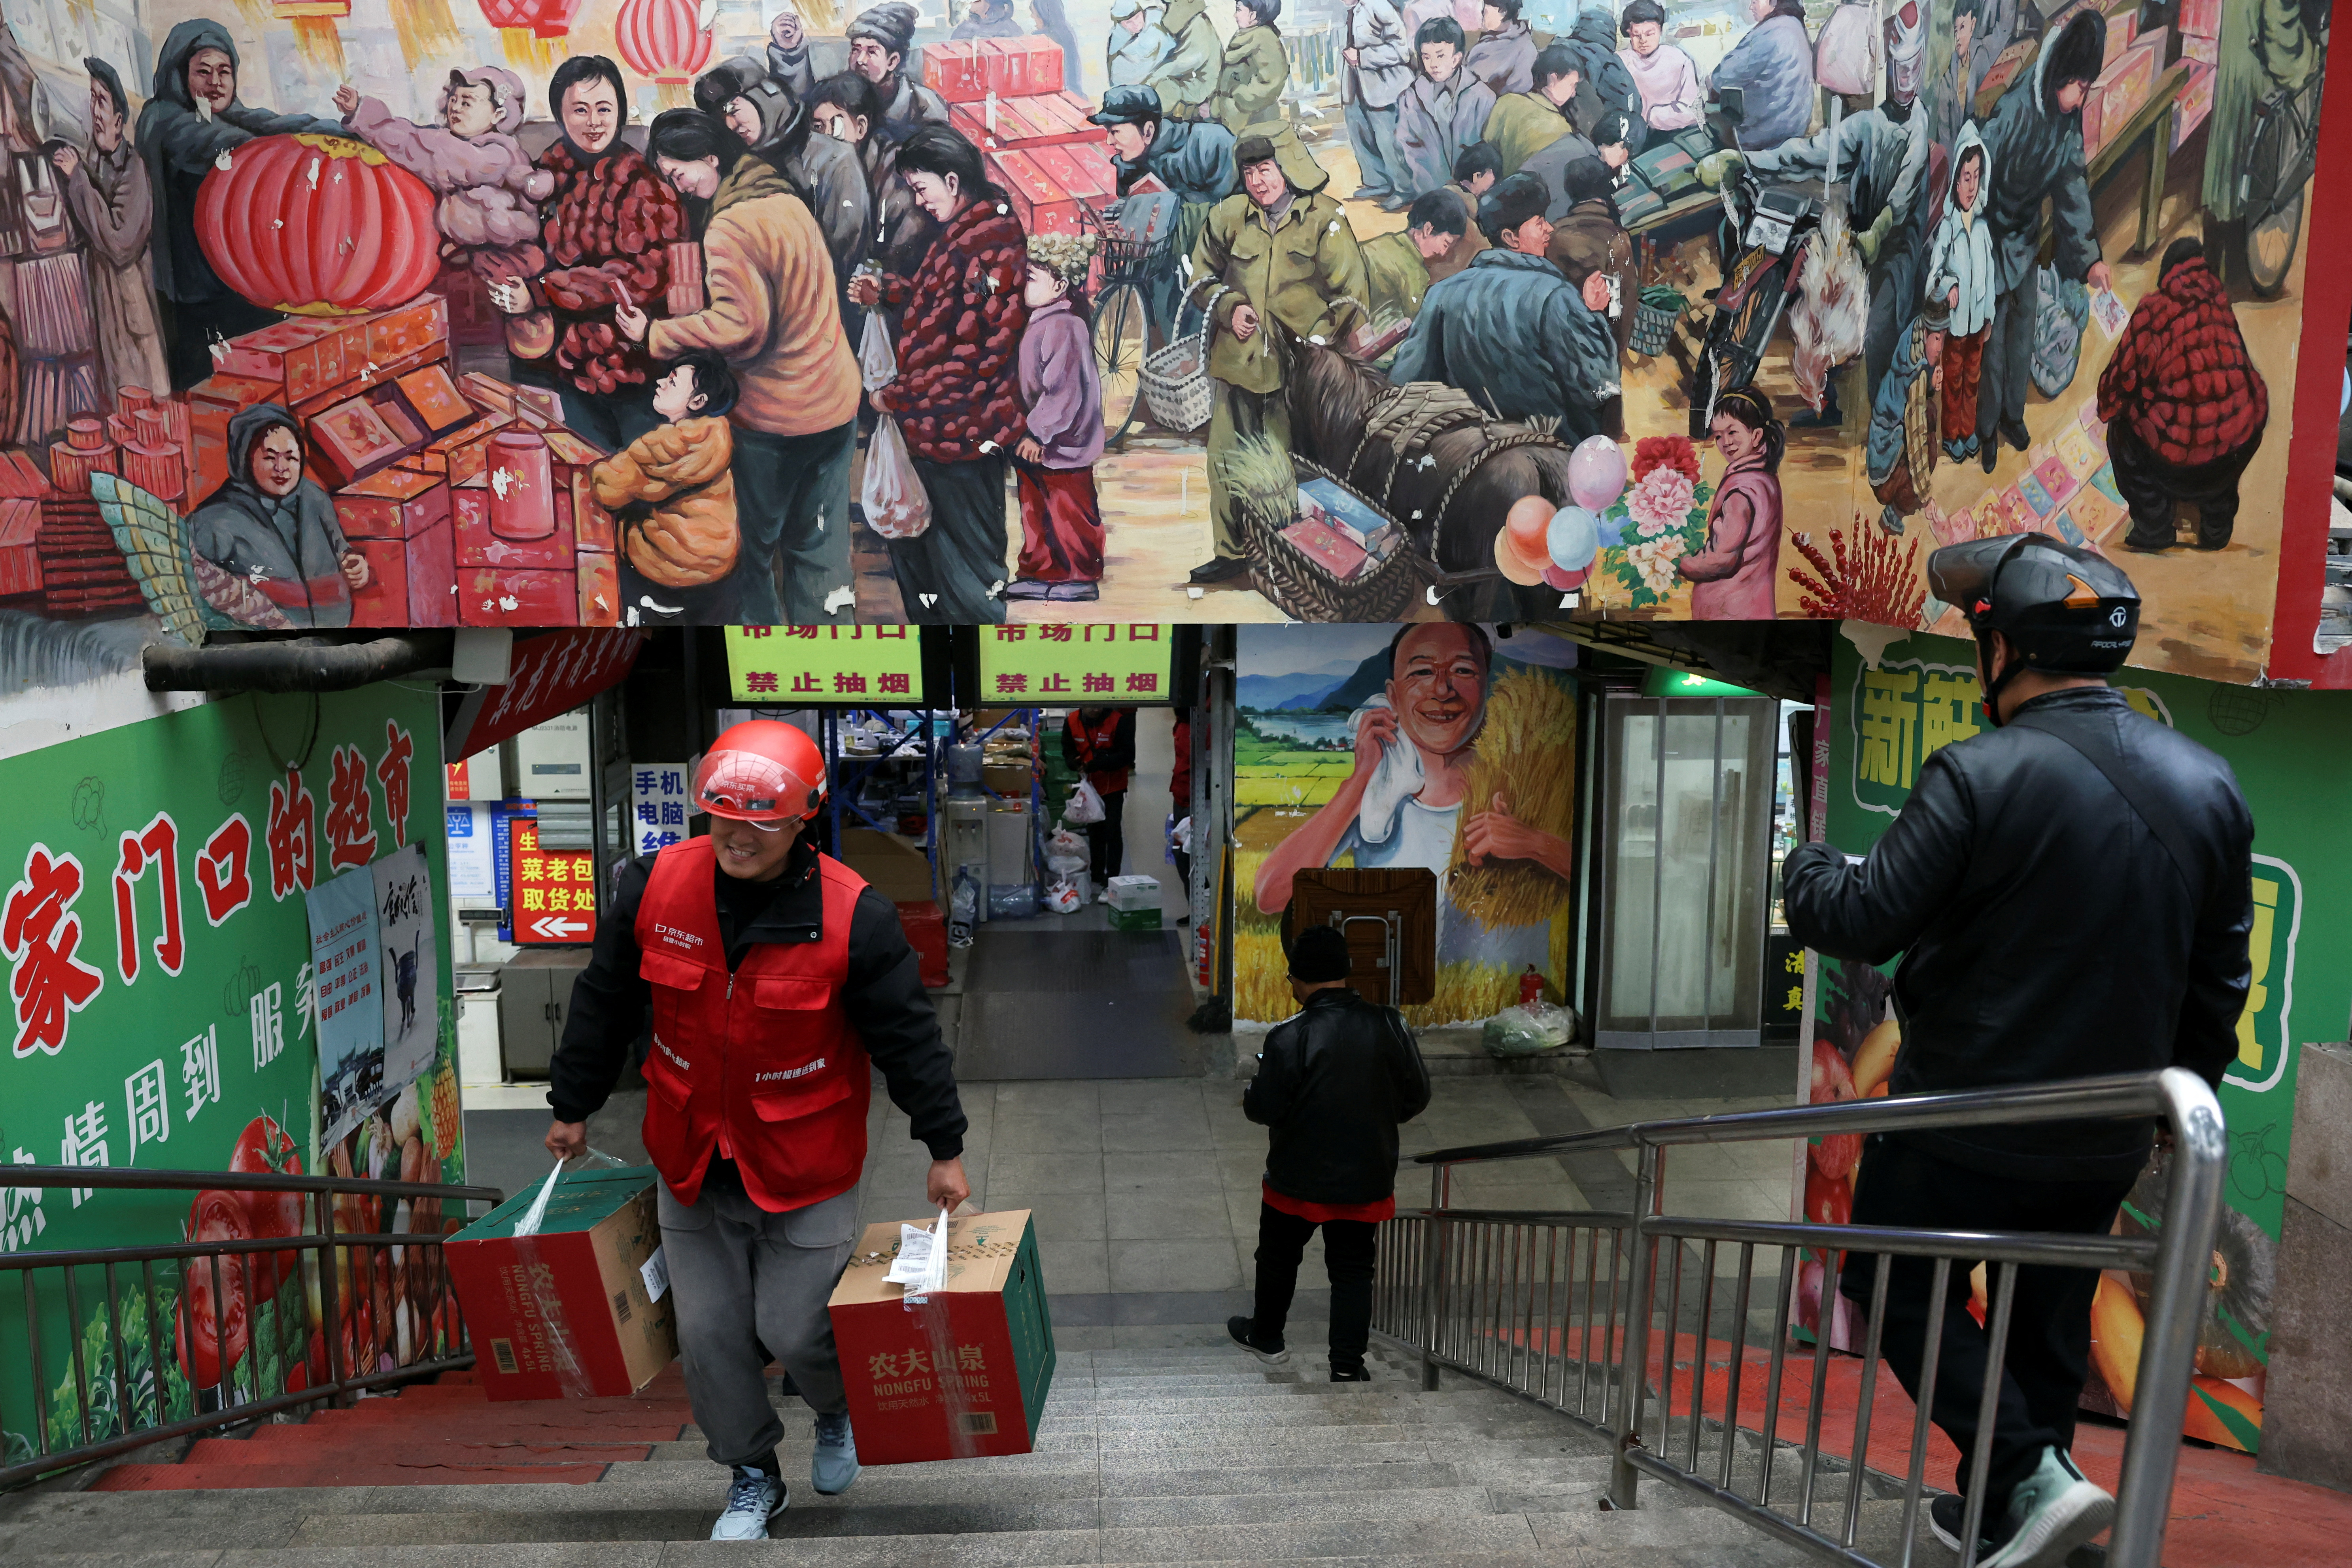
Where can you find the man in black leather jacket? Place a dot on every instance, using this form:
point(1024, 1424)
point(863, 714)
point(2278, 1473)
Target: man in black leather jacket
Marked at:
point(2069, 891)
point(1332, 1086)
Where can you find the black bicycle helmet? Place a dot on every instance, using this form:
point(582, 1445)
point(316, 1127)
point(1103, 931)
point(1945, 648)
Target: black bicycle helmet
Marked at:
point(2064, 610)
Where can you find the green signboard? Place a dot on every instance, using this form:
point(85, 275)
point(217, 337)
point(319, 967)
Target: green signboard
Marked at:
point(866, 666)
point(2291, 750)
point(1065, 666)
point(161, 1010)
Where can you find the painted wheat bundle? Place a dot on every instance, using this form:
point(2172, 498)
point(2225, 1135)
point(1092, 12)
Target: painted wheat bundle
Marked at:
point(1525, 753)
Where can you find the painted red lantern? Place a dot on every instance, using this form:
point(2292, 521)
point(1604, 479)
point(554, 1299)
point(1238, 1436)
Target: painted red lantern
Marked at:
point(317, 225)
point(539, 19)
point(662, 39)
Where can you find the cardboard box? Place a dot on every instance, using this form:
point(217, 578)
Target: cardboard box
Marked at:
point(1006, 778)
point(352, 440)
point(435, 397)
point(574, 461)
point(966, 70)
point(2120, 92)
point(1132, 893)
point(1050, 187)
point(395, 334)
point(899, 873)
point(990, 1320)
point(592, 1279)
point(1134, 919)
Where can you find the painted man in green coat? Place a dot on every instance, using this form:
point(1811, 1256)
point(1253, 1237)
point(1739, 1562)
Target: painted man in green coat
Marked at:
point(1276, 260)
point(1255, 72)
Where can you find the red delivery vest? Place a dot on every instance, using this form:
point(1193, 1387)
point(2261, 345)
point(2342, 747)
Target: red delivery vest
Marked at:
point(760, 1063)
point(1093, 738)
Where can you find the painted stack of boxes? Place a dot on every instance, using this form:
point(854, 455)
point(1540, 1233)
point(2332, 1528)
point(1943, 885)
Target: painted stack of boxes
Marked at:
point(468, 497)
point(1006, 95)
point(2136, 58)
point(2201, 50)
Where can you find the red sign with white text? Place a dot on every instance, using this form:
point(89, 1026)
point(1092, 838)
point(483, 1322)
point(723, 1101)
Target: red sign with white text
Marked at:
point(554, 891)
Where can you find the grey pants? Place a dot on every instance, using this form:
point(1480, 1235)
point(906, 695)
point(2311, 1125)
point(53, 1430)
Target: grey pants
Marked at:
point(1371, 133)
point(746, 1281)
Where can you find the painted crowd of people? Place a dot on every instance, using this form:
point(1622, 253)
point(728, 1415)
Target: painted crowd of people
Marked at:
point(701, 305)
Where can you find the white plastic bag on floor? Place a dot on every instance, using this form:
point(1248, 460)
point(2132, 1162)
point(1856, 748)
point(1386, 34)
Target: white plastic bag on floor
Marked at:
point(1528, 1029)
point(1086, 806)
point(1063, 897)
point(896, 505)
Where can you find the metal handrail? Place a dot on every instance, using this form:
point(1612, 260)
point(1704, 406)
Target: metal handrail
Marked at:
point(1461, 1286)
point(234, 1401)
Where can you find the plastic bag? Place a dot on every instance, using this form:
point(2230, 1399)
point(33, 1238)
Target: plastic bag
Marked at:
point(922, 1265)
point(1063, 897)
point(1013, 901)
point(1062, 842)
point(896, 505)
point(877, 362)
point(1086, 806)
point(2064, 308)
point(1528, 1030)
point(963, 909)
point(535, 1215)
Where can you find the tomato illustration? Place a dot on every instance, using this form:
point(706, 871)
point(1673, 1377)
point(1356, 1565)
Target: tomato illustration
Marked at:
point(1836, 1154)
point(264, 1147)
point(214, 1325)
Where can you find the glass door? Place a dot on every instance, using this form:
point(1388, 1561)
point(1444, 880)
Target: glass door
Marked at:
point(1686, 812)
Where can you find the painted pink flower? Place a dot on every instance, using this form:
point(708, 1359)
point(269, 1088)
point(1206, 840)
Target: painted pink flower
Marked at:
point(1661, 501)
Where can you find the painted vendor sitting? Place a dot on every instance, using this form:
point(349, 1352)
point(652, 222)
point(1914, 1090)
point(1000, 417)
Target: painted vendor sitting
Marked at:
point(269, 526)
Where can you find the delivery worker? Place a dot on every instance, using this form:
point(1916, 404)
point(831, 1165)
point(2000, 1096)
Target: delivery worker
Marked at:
point(774, 975)
point(2070, 893)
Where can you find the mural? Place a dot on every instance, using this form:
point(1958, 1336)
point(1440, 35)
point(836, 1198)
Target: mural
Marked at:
point(1435, 746)
point(381, 312)
point(1920, 694)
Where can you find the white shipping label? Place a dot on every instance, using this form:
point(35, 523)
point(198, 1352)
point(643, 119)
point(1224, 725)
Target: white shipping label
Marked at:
point(655, 1272)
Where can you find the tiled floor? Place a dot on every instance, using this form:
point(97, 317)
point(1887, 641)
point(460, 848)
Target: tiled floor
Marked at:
point(1153, 1186)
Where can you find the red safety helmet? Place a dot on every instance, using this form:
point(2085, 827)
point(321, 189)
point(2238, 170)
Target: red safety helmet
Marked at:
point(763, 771)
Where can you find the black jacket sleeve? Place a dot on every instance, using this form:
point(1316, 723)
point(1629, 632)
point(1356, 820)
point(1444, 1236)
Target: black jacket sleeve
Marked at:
point(1406, 1069)
point(1120, 752)
point(2221, 970)
point(608, 1007)
point(886, 1004)
point(1876, 910)
point(1274, 1091)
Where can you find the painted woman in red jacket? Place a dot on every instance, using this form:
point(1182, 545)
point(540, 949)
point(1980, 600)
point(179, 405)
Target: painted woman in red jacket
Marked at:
point(607, 230)
point(2184, 405)
point(958, 395)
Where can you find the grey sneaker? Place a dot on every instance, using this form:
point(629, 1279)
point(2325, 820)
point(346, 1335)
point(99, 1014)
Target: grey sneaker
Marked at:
point(2053, 1511)
point(754, 1498)
point(834, 1466)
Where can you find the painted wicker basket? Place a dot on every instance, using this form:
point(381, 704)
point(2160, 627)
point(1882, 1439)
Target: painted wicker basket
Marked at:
point(1176, 384)
point(1304, 589)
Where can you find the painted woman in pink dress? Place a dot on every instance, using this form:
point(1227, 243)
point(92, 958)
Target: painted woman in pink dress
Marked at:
point(1738, 571)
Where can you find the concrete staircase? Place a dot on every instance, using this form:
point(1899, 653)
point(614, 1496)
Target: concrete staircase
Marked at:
point(1191, 1454)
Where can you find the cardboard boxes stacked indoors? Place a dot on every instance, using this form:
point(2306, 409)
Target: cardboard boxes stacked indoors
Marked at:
point(468, 497)
point(1008, 97)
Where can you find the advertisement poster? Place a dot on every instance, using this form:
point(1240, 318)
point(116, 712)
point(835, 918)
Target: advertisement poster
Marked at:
point(164, 1012)
point(409, 980)
point(1436, 746)
point(351, 1006)
point(471, 872)
point(2287, 749)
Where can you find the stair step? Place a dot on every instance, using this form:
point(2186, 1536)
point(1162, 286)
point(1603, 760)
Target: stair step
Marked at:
point(355, 1473)
point(421, 1451)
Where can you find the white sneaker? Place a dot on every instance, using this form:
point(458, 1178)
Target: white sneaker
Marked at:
point(2053, 1511)
point(752, 1500)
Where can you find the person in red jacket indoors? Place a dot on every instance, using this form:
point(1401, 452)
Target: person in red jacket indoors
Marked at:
point(2184, 405)
point(776, 976)
point(1100, 743)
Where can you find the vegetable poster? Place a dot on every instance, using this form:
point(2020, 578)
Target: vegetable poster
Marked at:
point(2288, 749)
point(163, 1009)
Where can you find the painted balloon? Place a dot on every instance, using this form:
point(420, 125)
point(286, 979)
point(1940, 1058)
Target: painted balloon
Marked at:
point(1527, 522)
point(1515, 567)
point(1573, 538)
point(1596, 472)
point(1555, 578)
